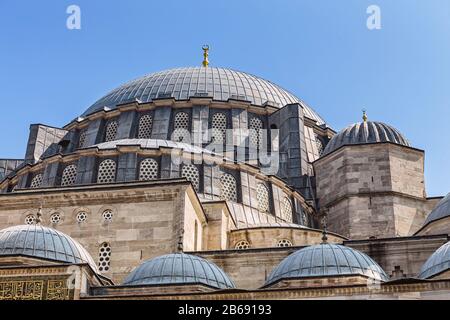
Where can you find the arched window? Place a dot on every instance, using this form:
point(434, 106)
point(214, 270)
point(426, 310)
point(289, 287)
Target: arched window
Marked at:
point(148, 170)
point(82, 138)
point(104, 257)
point(181, 128)
point(219, 127)
point(284, 243)
point(190, 172)
point(262, 195)
point(256, 133)
point(111, 130)
point(228, 188)
point(107, 171)
point(145, 127)
point(37, 181)
point(286, 209)
point(242, 245)
point(319, 144)
point(69, 175)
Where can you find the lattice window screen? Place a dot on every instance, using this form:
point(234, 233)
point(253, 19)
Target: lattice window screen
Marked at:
point(145, 127)
point(107, 171)
point(286, 209)
point(228, 187)
point(37, 181)
point(111, 130)
point(219, 127)
point(69, 176)
point(190, 172)
point(148, 170)
point(262, 195)
point(104, 257)
point(256, 133)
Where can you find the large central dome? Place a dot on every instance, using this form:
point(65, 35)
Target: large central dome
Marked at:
point(219, 83)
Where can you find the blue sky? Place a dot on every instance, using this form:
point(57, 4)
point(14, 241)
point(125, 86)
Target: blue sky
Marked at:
point(321, 50)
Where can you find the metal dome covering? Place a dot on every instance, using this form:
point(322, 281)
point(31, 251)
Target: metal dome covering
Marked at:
point(219, 83)
point(179, 268)
point(42, 242)
point(326, 260)
point(365, 132)
point(437, 263)
point(441, 210)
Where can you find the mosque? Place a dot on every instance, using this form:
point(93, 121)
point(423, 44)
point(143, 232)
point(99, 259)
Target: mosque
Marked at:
point(210, 183)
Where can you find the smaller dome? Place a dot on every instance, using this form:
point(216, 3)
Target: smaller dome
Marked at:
point(42, 242)
point(441, 210)
point(437, 263)
point(326, 260)
point(179, 268)
point(365, 132)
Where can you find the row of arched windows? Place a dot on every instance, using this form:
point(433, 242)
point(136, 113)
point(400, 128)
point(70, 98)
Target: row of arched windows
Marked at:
point(181, 129)
point(149, 170)
point(244, 244)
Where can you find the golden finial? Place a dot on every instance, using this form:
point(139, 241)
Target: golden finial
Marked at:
point(205, 55)
point(364, 116)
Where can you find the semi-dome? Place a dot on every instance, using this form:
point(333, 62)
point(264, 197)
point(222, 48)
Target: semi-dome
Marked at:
point(442, 210)
point(179, 268)
point(219, 83)
point(365, 132)
point(42, 242)
point(437, 263)
point(326, 260)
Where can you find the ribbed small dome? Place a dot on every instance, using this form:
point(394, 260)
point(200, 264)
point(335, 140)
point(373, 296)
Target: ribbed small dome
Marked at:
point(437, 263)
point(179, 268)
point(442, 210)
point(42, 242)
point(365, 132)
point(326, 260)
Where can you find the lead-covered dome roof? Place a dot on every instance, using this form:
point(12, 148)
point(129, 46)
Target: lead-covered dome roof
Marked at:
point(326, 260)
point(219, 83)
point(179, 268)
point(437, 263)
point(42, 242)
point(365, 132)
point(441, 210)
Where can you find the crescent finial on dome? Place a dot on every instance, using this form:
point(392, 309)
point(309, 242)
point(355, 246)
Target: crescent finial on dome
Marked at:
point(205, 62)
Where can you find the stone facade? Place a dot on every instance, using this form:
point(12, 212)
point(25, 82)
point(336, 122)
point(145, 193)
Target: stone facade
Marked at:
point(373, 190)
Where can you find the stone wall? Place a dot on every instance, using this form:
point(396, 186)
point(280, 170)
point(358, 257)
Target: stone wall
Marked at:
point(148, 219)
point(372, 190)
point(400, 257)
point(270, 237)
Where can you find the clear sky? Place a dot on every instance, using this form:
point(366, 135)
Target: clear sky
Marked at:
point(320, 50)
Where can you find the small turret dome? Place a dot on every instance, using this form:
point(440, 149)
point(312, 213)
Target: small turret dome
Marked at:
point(179, 268)
point(42, 242)
point(365, 132)
point(437, 263)
point(442, 210)
point(326, 260)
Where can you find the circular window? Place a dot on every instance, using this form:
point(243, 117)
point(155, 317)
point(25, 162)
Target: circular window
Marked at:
point(81, 216)
point(241, 245)
point(107, 215)
point(55, 218)
point(284, 243)
point(30, 219)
